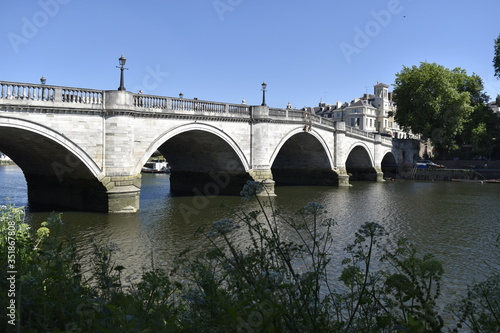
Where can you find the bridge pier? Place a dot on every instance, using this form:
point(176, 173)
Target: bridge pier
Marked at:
point(264, 176)
point(45, 192)
point(207, 182)
point(343, 177)
point(123, 193)
point(118, 195)
point(380, 174)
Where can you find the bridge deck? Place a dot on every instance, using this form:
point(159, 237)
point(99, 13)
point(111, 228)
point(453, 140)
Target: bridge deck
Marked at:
point(34, 96)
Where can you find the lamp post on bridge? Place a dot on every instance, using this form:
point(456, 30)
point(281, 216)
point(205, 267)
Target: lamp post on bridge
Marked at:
point(122, 61)
point(264, 86)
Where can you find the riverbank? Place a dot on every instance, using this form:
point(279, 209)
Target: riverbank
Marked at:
point(450, 174)
point(455, 169)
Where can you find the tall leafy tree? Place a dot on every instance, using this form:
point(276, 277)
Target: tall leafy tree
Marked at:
point(496, 57)
point(496, 63)
point(482, 128)
point(434, 101)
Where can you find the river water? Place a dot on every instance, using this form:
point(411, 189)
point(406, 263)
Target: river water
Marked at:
point(458, 222)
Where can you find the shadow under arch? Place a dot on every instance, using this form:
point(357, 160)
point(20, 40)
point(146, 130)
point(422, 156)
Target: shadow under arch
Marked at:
point(303, 158)
point(203, 160)
point(359, 164)
point(59, 174)
point(389, 165)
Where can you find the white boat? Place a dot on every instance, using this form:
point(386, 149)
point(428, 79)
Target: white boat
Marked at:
point(156, 166)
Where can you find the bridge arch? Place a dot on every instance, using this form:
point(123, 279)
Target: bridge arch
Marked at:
point(302, 158)
point(70, 146)
point(360, 163)
point(204, 160)
point(58, 173)
point(165, 136)
point(389, 164)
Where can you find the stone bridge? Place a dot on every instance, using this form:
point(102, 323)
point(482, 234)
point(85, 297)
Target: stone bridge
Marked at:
point(83, 149)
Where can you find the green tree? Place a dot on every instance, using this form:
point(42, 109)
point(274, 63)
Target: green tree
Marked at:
point(435, 102)
point(496, 58)
point(482, 127)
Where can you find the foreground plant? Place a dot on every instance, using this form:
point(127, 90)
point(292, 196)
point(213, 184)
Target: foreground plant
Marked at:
point(279, 280)
point(263, 271)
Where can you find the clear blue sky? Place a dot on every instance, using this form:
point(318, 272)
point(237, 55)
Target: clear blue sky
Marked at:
point(222, 50)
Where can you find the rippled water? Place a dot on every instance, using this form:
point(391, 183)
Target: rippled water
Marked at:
point(458, 222)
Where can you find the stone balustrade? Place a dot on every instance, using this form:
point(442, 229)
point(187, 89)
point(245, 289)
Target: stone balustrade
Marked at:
point(15, 93)
point(360, 133)
point(150, 102)
point(40, 92)
point(21, 91)
point(83, 96)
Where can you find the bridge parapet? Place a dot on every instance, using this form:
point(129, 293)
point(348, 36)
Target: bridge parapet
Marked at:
point(300, 115)
point(151, 103)
point(356, 132)
point(14, 93)
point(39, 95)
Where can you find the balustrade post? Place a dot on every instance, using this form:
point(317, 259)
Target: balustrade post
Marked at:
point(58, 94)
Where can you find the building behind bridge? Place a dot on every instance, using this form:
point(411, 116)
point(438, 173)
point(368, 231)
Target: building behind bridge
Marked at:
point(372, 113)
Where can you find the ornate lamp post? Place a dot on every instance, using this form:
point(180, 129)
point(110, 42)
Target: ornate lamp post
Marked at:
point(122, 61)
point(43, 80)
point(264, 86)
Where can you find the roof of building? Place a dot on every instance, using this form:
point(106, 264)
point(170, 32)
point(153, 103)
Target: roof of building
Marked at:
point(365, 101)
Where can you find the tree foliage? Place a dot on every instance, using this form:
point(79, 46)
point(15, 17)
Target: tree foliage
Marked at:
point(436, 102)
point(496, 57)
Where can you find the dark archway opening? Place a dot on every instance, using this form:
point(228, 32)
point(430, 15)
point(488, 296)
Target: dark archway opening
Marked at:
point(389, 166)
point(56, 179)
point(359, 165)
point(201, 163)
point(302, 160)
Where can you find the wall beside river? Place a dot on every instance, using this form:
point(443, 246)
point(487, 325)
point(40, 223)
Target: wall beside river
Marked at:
point(455, 169)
